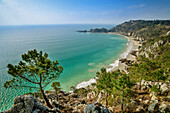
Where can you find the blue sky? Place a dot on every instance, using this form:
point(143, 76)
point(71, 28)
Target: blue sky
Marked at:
point(23, 12)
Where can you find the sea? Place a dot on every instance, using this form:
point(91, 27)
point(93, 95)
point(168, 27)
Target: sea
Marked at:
point(80, 54)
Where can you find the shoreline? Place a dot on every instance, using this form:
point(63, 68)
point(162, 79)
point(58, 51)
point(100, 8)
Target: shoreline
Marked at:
point(132, 45)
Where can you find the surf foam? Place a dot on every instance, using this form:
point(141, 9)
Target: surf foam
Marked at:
point(86, 83)
point(113, 65)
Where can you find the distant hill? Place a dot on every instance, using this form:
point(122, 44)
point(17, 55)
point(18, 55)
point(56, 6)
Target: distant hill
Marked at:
point(143, 28)
point(140, 29)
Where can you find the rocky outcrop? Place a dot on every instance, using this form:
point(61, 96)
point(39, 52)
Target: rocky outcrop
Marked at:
point(127, 62)
point(153, 50)
point(27, 104)
point(96, 108)
point(164, 88)
point(153, 107)
point(163, 108)
point(168, 33)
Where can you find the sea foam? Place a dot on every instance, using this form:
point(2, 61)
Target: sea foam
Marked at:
point(86, 83)
point(113, 65)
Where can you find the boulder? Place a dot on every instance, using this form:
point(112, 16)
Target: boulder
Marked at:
point(57, 105)
point(144, 87)
point(163, 108)
point(140, 99)
point(168, 33)
point(139, 109)
point(96, 108)
point(134, 102)
point(154, 98)
point(146, 101)
point(142, 82)
point(36, 111)
point(26, 104)
point(153, 107)
point(164, 89)
point(91, 95)
point(152, 93)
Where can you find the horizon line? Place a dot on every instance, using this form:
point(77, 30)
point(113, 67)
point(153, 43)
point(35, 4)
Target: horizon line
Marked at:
point(58, 24)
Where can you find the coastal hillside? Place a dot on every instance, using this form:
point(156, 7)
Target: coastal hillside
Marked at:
point(142, 87)
point(143, 28)
point(140, 29)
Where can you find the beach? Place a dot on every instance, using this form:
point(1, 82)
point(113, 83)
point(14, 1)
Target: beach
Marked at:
point(132, 45)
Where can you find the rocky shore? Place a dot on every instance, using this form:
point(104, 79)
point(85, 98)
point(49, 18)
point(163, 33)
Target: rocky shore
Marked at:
point(87, 100)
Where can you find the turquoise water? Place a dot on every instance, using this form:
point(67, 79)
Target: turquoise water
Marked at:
point(80, 54)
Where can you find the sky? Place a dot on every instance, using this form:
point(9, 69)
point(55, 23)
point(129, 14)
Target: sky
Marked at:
point(29, 12)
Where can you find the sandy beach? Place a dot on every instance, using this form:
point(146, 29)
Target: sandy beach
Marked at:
point(132, 45)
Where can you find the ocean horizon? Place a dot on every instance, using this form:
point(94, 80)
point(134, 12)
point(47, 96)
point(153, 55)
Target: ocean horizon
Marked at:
point(80, 54)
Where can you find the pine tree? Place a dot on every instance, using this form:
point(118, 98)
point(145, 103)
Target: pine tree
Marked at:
point(104, 82)
point(35, 71)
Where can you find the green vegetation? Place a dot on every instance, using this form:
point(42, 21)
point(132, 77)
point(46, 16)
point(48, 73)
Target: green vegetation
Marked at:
point(56, 87)
point(145, 29)
point(156, 67)
point(105, 83)
point(35, 71)
point(156, 90)
point(152, 62)
point(102, 30)
point(115, 83)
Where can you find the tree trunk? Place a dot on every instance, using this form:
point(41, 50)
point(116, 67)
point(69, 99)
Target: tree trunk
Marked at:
point(140, 87)
point(45, 98)
point(106, 99)
point(122, 101)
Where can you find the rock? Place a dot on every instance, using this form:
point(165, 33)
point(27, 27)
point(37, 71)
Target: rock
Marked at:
point(95, 108)
point(160, 83)
point(18, 99)
point(142, 82)
point(168, 33)
point(36, 111)
point(123, 60)
point(153, 107)
point(104, 110)
point(140, 99)
point(146, 101)
point(166, 98)
point(99, 97)
point(152, 93)
point(154, 98)
point(150, 84)
point(91, 95)
point(56, 104)
point(164, 108)
point(111, 109)
point(133, 102)
point(144, 88)
point(156, 83)
point(140, 109)
point(29, 103)
point(26, 104)
point(164, 89)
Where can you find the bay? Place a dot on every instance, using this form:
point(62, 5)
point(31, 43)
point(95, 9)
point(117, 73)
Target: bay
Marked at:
point(80, 54)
